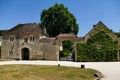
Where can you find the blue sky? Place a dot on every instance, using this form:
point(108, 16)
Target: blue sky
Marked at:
point(87, 12)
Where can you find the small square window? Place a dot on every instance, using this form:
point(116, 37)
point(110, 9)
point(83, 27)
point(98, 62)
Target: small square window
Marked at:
point(11, 39)
point(99, 46)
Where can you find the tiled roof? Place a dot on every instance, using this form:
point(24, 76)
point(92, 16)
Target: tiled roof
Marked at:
point(67, 35)
point(100, 26)
point(79, 39)
point(47, 39)
point(25, 29)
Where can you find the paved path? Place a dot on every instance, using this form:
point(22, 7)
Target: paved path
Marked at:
point(111, 70)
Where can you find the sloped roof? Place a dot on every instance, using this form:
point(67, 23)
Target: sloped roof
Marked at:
point(48, 40)
point(79, 39)
point(25, 29)
point(67, 35)
point(100, 26)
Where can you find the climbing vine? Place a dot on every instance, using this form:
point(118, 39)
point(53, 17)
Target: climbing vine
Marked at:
point(99, 47)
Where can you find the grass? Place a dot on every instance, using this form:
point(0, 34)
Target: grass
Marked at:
point(5, 60)
point(2, 60)
point(36, 72)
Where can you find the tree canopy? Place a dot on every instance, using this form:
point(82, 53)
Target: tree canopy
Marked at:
point(2, 31)
point(57, 19)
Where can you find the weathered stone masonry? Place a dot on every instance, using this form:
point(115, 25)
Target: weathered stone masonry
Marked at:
point(27, 40)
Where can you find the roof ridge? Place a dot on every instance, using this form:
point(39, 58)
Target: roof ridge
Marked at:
point(26, 23)
point(25, 28)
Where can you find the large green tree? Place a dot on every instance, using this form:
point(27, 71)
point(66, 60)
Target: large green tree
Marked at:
point(2, 31)
point(57, 19)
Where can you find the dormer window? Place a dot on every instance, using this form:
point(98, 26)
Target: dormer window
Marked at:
point(32, 38)
point(11, 39)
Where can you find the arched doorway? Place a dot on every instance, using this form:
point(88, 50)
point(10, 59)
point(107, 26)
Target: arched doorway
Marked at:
point(25, 54)
point(67, 51)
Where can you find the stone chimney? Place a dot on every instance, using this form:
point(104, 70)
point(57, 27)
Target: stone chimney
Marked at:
point(94, 25)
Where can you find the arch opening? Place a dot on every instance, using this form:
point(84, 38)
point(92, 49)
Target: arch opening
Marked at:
point(25, 54)
point(67, 51)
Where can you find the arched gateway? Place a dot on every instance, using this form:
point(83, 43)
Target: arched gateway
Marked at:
point(67, 37)
point(25, 54)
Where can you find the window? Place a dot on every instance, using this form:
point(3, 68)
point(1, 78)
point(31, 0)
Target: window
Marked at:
point(99, 46)
point(32, 38)
point(11, 39)
point(26, 40)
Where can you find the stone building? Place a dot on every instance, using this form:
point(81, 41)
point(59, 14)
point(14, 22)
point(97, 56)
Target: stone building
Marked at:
point(0, 40)
point(100, 27)
point(27, 42)
point(0, 45)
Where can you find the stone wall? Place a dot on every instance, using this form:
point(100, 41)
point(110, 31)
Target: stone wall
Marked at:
point(38, 49)
point(50, 51)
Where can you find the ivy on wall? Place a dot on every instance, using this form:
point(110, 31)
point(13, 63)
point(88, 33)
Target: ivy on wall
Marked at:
point(99, 47)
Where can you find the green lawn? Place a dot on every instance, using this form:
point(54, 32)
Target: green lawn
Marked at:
point(2, 60)
point(36, 72)
point(5, 60)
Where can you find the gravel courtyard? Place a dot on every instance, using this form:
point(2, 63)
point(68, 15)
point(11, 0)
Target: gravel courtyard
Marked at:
point(111, 70)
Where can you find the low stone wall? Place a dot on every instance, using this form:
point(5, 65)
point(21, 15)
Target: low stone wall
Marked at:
point(50, 51)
